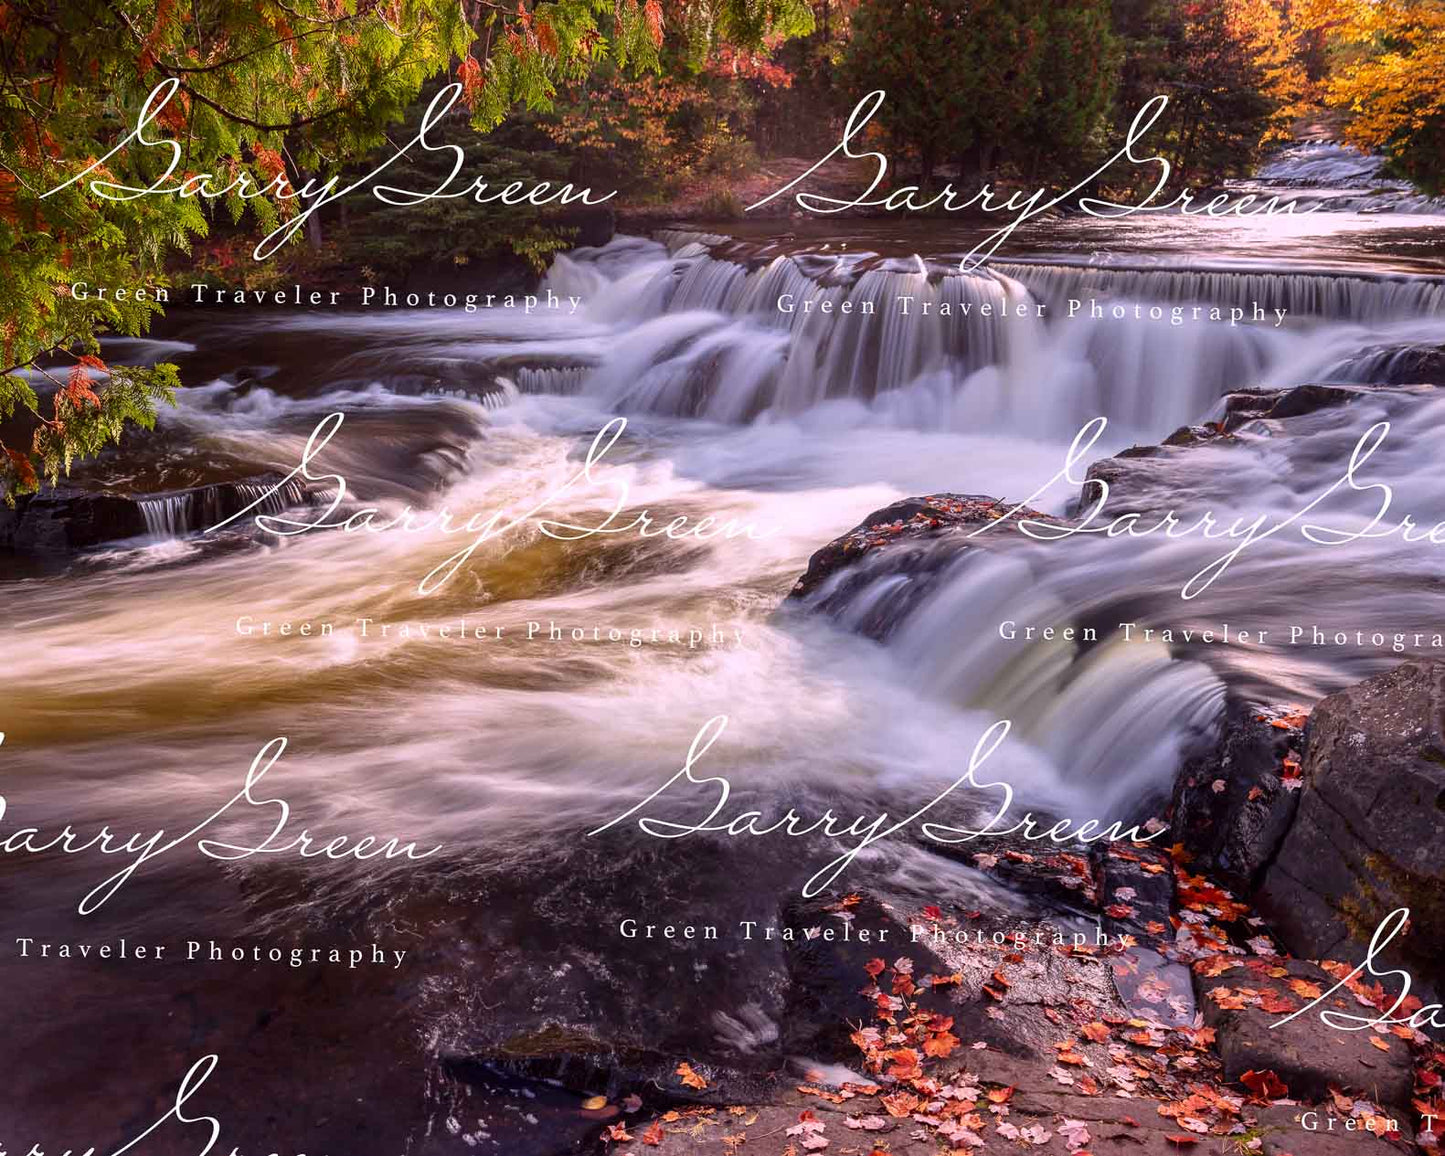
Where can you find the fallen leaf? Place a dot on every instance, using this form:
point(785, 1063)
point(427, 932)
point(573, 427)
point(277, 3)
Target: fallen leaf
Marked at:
point(1264, 1084)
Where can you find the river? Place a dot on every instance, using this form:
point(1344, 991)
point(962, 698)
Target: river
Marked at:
point(144, 681)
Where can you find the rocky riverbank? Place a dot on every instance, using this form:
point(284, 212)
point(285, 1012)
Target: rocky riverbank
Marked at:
point(1191, 1019)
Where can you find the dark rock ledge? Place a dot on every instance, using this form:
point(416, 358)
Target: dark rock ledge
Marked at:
point(63, 520)
point(1320, 830)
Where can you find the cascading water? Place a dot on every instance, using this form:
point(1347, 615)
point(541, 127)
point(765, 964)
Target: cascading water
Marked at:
point(1315, 295)
point(167, 517)
point(730, 342)
point(1339, 178)
point(505, 749)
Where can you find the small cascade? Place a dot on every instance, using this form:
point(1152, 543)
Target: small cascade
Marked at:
point(550, 379)
point(168, 516)
point(277, 498)
point(706, 326)
point(1326, 296)
point(1392, 364)
point(790, 333)
point(1077, 703)
point(1338, 178)
point(171, 516)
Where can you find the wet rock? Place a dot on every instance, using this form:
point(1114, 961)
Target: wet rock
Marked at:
point(583, 1063)
point(66, 520)
point(1293, 1131)
point(1249, 405)
point(1139, 478)
point(1306, 1053)
point(1370, 825)
point(827, 975)
point(910, 543)
point(1136, 894)
point(63, 520)
point(1231, 808)
point(1397, 364)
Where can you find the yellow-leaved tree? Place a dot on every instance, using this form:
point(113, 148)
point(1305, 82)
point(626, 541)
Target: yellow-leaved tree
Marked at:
point(1388, 72)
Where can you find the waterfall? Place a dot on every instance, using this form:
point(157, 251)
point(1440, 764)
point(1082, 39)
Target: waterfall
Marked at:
point(1328, 296)
point(920, 344)
point(731, 331)
point(293, 493)
point(1337, 178)
point(168, 516)
point(555, 379)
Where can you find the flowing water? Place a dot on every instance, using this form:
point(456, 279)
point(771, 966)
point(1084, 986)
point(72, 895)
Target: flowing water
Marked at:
point(144, 677)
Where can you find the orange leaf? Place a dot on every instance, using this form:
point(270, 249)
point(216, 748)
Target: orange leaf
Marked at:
point(900, 1104)
point(689, 1077)
point(942, 1045)
point(1264, 1084)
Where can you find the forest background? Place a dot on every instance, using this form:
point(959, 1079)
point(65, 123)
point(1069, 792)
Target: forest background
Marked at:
point(685, 107)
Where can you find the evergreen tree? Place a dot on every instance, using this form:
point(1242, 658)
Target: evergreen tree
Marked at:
point(986, 84)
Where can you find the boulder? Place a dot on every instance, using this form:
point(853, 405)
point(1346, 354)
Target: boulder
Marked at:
point(1398, 363)
point(61, 520)
point(1306, 1053)
point(1370, 826)
point(1232, 806)
point(906, 545)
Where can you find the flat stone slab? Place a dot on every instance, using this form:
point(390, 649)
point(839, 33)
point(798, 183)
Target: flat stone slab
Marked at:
point(1306, 1053)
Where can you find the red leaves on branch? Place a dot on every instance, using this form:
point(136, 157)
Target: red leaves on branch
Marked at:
point(652, 13)
point(77, 389)
point(473, 81)
point(165, 12)
point(21, 464)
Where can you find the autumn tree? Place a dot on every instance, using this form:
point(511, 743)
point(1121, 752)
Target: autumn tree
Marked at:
point(261, 98)
point(1387, 68)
